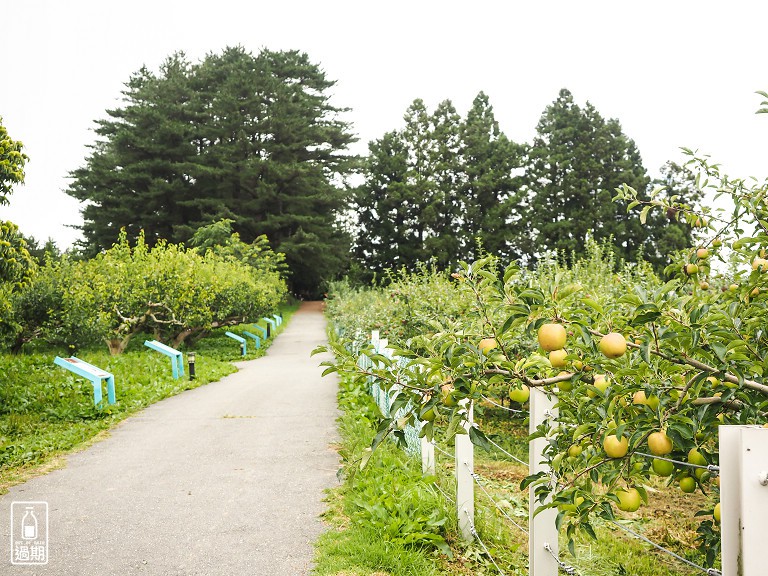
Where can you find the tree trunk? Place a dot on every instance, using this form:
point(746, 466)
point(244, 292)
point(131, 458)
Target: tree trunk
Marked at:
point(181, 337)
point(118, 345)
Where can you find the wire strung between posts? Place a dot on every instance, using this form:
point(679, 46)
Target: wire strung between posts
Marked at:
point(567, 568)
point(501, 405)
point(474, 533)
point(508, 454)
point(476, 478)
point(441, 450)
point(444, 493)
point(707, 571)
point(714, 469)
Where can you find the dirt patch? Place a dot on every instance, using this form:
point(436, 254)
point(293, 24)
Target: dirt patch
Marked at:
point(671, 512)
point(501, 471)
point(311, 306)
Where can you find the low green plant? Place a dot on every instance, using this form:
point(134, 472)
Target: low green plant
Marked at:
point(387, 516)
point(403, 510)
point(46, 411)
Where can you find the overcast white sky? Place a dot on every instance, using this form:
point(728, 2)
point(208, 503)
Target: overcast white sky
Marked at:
point(675, 73)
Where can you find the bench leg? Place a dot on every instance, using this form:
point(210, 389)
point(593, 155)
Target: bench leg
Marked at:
point(110, 389)
point(96, 391)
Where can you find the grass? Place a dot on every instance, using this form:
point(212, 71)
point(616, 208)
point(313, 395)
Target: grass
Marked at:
point(360, 552)
point(46, 412)
point(361, 545)
point(375, 510)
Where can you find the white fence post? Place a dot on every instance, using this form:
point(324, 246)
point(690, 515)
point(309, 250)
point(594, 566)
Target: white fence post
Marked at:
point(427, 457)
point(542, 527)
point(465, 485)
point(743, 498)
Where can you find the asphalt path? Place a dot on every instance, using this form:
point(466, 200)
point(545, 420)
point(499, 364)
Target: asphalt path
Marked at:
point(225, 479)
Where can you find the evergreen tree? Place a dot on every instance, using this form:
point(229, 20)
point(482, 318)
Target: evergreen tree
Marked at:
point(575, 163)
point(41, 253)
point(137, 170)
point(250, 138)
point(670, 232)
point(489, 190)
point(434, 187)
point(401, 206)
point(382, 206)
point(444, 242)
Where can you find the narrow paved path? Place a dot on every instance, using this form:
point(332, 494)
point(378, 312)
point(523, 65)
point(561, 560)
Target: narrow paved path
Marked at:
point(226, 479)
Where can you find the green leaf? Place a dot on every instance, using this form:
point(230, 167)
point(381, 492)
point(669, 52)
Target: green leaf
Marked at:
point(719, 350)
point(533, 478)
point(478, 438)
point(592, 304)
point(645, 351)
point(587, 527)
point(644, 214)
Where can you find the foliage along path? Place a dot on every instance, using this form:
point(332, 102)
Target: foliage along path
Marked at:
point(223, 479)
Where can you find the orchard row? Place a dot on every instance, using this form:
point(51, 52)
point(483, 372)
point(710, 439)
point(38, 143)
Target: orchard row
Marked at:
point(644, 368)
point(174, 292)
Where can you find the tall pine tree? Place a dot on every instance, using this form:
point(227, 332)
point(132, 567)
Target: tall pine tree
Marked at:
point(489, 188)
point(670, 232)
point(436, 186)
point(251, 138)
point(575, 163)
point(383, 206)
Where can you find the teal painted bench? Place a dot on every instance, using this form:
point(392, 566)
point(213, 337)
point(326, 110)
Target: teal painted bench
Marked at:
point(239, 339)
point(263, 331)
point(253, 337)
point(177, 358)
point(90, 372)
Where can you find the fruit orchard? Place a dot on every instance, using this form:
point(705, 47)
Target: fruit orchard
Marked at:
point(176, 293)
point(644, 368)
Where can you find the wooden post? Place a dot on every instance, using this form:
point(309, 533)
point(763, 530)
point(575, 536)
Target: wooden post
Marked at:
point(743, 498)
point(465, 484)
point(542, 527)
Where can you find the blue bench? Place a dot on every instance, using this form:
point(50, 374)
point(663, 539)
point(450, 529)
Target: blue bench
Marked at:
point(239, 339)
point(90, 372)
point(177, 358)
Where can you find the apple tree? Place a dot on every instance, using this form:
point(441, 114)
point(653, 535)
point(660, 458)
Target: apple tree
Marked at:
point(168, 289)
point(644, 369)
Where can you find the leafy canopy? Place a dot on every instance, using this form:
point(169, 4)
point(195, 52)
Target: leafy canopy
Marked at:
point(249, 138)
point(12, 161)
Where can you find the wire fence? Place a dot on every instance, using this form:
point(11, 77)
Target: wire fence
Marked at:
point(444, 452)
point(708, 571)
point(567, 568)
point(385, 399)
point(515, 458)
point(444, 493)
point(507, 408)
point(714, 469)
point(473, 530)
point(477, 479)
